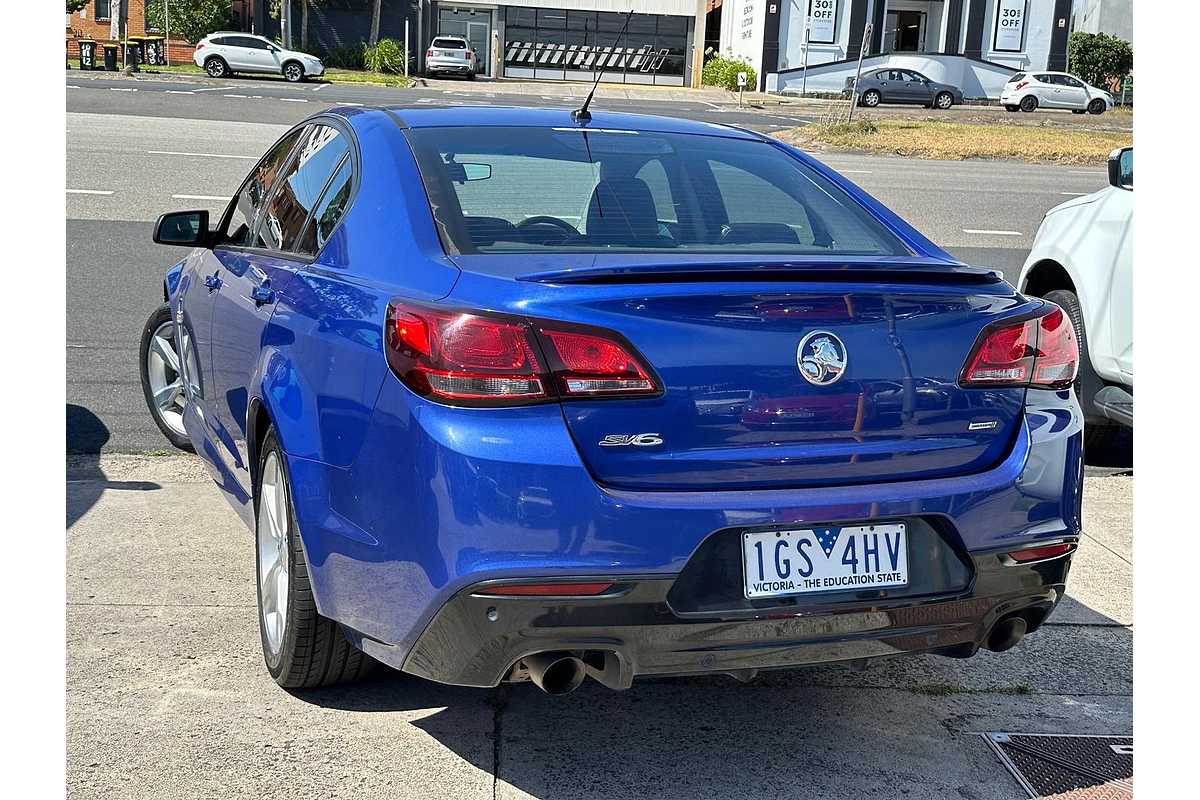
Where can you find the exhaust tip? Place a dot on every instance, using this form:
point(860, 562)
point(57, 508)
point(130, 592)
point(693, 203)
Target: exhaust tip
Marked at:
point(555, 673)
point(1006, 633)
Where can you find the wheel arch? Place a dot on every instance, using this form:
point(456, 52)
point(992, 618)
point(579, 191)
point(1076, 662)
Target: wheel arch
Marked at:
point(1046, 276)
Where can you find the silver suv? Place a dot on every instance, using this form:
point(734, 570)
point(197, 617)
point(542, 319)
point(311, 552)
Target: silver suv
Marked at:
point(225, 52)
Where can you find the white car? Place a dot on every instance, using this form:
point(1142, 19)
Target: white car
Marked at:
point(452, 55)
point(225, 52)
point(1029, 91)
point(1082, 260)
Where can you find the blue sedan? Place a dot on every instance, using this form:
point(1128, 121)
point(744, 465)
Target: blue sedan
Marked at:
point(511, 394)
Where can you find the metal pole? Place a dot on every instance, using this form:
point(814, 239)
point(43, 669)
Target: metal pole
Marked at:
point(407, 48)
point(858, 72)
point(167, 39)
point(804, 71)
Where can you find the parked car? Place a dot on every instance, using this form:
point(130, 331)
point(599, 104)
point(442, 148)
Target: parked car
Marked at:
point(1029, 91)
point(224, 53)
point(1082, 260)
point(449, 364)
point(893, 85)
point(450, 55)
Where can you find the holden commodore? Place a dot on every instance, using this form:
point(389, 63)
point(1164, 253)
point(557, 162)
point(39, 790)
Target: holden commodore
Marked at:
point(514, 394)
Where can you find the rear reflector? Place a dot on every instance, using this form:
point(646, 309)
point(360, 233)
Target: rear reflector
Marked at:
point(480, 358)
point(543, 589)
point(1041, 553)
point(1041, 352)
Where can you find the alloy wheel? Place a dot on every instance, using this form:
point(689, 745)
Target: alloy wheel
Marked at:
point(292, 73)
point(165, 378)
point(215, 68)
point(271, 530)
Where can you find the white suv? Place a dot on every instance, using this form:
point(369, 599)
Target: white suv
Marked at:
point(1029, 91)
point(1082, 260)
point(226, 52)
point(452, 55)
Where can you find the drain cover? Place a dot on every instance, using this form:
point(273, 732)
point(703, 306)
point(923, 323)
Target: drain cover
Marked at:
point(1066, 767)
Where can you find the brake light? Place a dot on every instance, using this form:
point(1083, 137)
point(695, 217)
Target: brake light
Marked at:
point(429, 53)
point(1041, 553)
point(1042, 352)
point(1022, 84)
point(484, 359)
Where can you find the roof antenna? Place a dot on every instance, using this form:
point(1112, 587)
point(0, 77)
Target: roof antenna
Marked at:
point(582, 114)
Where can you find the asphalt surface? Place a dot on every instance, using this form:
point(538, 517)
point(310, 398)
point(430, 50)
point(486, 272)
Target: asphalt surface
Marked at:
point(167, 695)
point(137, 148)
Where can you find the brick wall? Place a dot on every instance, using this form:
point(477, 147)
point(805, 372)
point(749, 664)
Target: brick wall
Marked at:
point(84, 25)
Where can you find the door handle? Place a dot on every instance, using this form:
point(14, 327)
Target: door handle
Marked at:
point(262, 294)
point(213, 282)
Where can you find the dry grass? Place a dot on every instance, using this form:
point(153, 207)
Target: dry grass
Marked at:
point(954, 141)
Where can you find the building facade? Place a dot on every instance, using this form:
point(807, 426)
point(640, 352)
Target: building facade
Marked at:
point(94, 21)
point(815, 45)
point(1114, 17)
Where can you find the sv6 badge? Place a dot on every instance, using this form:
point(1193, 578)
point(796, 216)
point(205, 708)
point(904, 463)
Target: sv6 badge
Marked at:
point(634, 439)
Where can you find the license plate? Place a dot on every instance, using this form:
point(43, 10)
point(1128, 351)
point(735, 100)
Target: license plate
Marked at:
point(826, 559)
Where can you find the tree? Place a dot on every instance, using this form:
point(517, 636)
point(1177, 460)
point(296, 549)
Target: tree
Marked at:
point(374, 39)
point(191, 19)
point(76, 5)
point(1098, 57)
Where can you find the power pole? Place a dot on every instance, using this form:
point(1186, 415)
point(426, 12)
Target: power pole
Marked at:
point(858, 72)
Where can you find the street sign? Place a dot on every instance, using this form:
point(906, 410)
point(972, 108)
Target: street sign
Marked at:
point(742, 79)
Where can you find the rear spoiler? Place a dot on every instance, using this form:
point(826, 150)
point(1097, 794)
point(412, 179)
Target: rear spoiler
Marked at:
point(936, 273)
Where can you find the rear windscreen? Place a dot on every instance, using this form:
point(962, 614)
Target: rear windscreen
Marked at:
point(519, 190)
point(450, 44)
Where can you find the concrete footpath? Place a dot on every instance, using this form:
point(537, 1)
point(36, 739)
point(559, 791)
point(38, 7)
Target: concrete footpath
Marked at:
point(167, 695)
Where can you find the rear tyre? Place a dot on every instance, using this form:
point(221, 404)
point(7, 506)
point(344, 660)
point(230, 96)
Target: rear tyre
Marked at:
point(162, 381)
point(943, 101)
point(871, 98)
point(1097, 106)
point(293, 72)
point(1029, 103)
point(301, 648)
point(217, 68)
point(1098, 431)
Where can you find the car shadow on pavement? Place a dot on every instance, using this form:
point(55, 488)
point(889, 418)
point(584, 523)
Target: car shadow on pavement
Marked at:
point(86, 436)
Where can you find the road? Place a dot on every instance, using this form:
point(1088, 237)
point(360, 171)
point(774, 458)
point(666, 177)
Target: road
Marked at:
point(137, 148)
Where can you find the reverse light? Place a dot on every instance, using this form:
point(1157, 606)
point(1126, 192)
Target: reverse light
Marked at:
point(1041, 553)
point(543, 589)
point(484, 359)
point(1040, 352)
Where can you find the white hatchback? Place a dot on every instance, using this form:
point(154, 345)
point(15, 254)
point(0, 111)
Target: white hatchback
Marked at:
point(225, 52)
point(1029, 91)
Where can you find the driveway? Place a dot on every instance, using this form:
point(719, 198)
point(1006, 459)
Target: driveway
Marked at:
point(167, 695)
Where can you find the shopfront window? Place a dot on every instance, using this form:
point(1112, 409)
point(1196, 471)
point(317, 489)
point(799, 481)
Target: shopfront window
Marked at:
point(559, 44)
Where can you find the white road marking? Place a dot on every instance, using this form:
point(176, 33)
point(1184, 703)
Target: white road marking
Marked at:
point(293, 100)
point(245, 96)
point(197, 197)
point(88, 191)
point(992, 233)
point(176, 91)
point(69, 86)
point(319, 88)
point(198, 155)
point(119, 89)
point(214, 88)
point(344, 103)
point(1074, 194)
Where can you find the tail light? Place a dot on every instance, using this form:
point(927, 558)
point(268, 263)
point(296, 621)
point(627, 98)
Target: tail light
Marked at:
point(483, 359)
point(1041, 352)
point(543, 589)
point(1041, 553)
point(1022, 85)
point(429, 53)
point(200, 46)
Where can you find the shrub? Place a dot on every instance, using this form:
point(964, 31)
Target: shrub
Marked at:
point(1097, 57)
point(721, 71)
point(387, 56)
point(345, 56)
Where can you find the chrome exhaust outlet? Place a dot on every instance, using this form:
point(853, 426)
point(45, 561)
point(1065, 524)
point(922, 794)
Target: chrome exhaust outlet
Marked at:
point(555, 672)
point(1006, 633)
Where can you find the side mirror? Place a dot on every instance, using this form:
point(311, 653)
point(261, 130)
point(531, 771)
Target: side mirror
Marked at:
point(183, 228)
point(1120, 168)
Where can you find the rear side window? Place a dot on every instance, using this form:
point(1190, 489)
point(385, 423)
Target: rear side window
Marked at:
point(223, 41)
point(315, 161)
point(450, 44)
point(529, 190)
point(330, 210)
point(1020, 76)
point(249, 201)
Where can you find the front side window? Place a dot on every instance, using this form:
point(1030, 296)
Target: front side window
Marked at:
point(510, 190)
point(249, 201)
point(316, 159)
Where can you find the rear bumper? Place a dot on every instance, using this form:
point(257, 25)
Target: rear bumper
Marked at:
point(439, 501)
point(447, 65)
point(633, 630)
